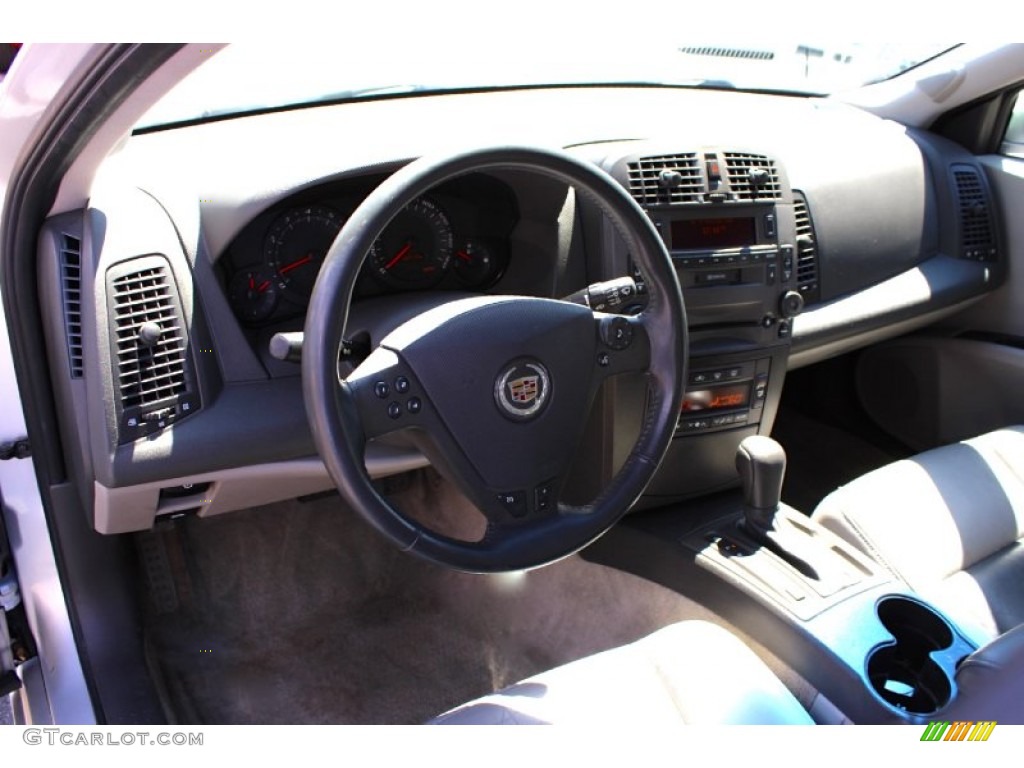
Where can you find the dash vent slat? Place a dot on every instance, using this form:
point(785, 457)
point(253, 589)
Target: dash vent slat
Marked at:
point(738, 167)
point(977, 241)
point(806, 250)
point(71, 286)
point(645, 179)
point(148, 374)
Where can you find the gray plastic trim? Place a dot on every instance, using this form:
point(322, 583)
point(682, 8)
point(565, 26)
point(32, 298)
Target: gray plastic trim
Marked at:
point(135, 508)
point(44, 599)
point(29, 704)
point(930, 291)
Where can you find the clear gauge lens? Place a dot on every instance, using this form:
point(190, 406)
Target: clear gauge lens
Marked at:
point(254, 295)
point(415, 250)
point(295, 248)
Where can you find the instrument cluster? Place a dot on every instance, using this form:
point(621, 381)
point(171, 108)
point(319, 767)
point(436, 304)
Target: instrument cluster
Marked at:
point(453, 238)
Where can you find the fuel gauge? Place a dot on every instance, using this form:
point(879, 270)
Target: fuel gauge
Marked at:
point(476, 264)
point(254, 295)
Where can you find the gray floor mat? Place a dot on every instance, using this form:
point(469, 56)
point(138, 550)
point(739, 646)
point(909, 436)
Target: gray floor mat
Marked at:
point(300, 613)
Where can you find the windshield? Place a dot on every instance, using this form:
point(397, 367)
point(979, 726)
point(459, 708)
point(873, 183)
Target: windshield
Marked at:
point(250, 77)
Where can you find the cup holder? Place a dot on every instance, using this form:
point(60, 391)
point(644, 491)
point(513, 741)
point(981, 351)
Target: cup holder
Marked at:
point(902, 671)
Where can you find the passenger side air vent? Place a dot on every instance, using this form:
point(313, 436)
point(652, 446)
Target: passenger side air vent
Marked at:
point(806, 250)
point(150, 344)
point(752, 177)
point(977, 241)
point(666, 179)
point(71, 291)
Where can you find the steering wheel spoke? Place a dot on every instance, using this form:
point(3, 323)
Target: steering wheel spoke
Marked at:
point(623, 345)
point(386, 395)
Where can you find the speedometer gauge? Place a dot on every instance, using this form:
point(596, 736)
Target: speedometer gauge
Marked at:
point(415, 250)
point(295, 247)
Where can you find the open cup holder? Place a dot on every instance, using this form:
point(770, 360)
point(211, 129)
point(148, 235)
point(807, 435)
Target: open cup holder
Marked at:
point(914, 671)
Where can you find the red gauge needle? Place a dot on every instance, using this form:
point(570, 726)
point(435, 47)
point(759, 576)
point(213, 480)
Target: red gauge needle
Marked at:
point(262, 288)
point(399, 256)
point(296, 264)
point(464, 256)
point(252, 283)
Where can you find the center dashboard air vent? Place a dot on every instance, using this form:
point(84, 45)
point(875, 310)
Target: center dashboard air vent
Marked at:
point(977, 239)
point(152, 377)
point(752, 177)
point(666, 179)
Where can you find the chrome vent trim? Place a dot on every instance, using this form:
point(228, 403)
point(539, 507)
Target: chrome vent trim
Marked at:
point(70, 257)
point(645, 179)
point(977, 241)
point(147, 375)
point(737, 168)
point(806, 249)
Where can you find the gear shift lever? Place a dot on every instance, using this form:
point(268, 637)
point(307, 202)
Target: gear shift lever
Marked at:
point(761, 463)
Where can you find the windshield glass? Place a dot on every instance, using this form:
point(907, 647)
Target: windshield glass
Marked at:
point(250, 77)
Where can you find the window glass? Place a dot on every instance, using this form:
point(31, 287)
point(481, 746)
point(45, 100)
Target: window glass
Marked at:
point(1013, 140)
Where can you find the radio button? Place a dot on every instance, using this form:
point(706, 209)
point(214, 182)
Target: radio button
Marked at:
point(760, 390)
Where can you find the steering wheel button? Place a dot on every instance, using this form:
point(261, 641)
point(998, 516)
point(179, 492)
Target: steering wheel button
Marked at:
point(542, 498)
point(394, 410)
point(381, 389)
point(401, 385)
point(617, 333)
point(514, 502)
point(415, 405)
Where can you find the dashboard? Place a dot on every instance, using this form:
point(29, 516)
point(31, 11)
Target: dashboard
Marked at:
point(809, 231)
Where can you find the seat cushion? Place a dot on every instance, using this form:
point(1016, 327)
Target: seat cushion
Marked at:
point(690, 672)
point(949, 523)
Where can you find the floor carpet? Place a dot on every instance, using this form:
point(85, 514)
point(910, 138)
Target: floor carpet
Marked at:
point(298, 612)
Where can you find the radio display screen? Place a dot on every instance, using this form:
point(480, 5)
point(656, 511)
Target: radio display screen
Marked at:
point(712, 234)
point(718, 398)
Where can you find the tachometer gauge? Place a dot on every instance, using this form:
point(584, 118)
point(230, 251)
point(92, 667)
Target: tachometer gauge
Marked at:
point(254, 295)
point(295, 247)
point(415, 250)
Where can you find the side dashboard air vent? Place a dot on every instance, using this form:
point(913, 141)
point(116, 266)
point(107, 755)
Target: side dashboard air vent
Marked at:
point(666, 179)
point(150, 336)
point(806, 250)
point(752, 177)
point(71, 291)
point(977, 240)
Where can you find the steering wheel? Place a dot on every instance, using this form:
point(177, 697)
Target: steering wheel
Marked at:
point(502, 385)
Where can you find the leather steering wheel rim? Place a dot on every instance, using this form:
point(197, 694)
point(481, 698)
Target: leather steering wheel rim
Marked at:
point(344, 414)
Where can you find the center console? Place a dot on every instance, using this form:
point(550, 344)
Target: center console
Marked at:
point(743, 246)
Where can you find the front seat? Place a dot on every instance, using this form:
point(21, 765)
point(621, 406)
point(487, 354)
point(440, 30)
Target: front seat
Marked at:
point(690, 672)
point(949, 522)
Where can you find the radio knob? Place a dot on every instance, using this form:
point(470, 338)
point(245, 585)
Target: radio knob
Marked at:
point(791, 304)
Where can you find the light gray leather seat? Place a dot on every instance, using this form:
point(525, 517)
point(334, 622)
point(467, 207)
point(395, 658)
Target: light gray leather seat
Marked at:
point(690, 672)
point(949, 522)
